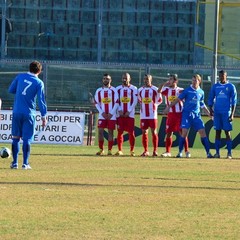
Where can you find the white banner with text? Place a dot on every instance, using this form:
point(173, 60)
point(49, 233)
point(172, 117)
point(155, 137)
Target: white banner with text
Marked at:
point(62, 128)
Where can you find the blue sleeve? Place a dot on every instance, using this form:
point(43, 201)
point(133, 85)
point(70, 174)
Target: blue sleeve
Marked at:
point(202, 104)
point(182, 95)
point(211, 96)
point(234, 96)
point(13, 87)
point(41, 100)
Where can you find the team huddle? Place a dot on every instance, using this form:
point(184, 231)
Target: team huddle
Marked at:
point(116, 107)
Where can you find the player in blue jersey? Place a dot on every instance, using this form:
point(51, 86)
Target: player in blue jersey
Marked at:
point(193, 101)
point(26, 87)
point(222, 104)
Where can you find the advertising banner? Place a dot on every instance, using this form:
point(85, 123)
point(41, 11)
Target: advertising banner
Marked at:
point(62, 128)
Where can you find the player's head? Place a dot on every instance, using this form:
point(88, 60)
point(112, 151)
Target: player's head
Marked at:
point(196, 80)
point(126, 78)
point(173, 79)
point(222, 76)
point(35, 67)
point(106, 80)
point(147, 80)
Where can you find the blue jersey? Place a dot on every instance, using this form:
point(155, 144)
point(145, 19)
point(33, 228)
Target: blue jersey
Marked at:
point(27, 87)
point(193, 99)
point(222, 97)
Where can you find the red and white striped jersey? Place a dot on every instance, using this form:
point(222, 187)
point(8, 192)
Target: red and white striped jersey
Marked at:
point(149, 99)
point(170, 95)
point(127, 99)
point(106, 101)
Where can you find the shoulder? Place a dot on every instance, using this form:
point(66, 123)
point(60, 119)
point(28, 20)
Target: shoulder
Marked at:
point(119, 87)
point(180, 89)
point(133, 87)
point(113, 89)
point(99, 89)
point(155, 88)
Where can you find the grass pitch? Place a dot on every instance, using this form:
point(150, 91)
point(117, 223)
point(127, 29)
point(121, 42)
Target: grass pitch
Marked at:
point(72, 194)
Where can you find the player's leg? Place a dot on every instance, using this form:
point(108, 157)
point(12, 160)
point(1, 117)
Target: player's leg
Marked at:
point(218, 125)
point(102, 123)
point(120, 139)
point(27, 137)
point(15, 151)
point(100, 141)
point(153, 123)
point(185, 126)
point(182, 139)
point(217, 143)
point(131, 134)
point(205, 141)
point(111, 127)
point(120, 131)
point(16, 134)
point(154, 141)
point(169, 132)
point(229, 144)
point(144, 124)
point(145, 141)
point(168, 144)
point(227, 126)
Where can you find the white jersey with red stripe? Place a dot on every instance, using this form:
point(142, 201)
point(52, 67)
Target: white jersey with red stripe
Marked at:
point(127, 99)
point(106, 101)
point(172, 94)
point(149, 99)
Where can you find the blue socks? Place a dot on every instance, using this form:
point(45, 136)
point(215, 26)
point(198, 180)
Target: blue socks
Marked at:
point(205, 143)
point(15, 149)
point(217, 146)
point(181, 144)
point(26, 151)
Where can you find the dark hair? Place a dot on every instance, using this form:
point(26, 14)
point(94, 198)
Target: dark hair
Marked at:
point(222, 72)
point(174, 76)
point(106, 74)
point(35, 67)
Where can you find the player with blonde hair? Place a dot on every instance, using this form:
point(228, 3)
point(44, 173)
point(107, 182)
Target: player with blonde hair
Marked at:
point(193, 97)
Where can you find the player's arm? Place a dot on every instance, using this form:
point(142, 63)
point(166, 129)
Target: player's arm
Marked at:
point(13, 86)
point(234, 103)
point(135, 101)
point(166, 110)
point(115, 105)
point(204, 107)
point(163, 85)
point(42, 104)
point(211, 101)
point(97, 103)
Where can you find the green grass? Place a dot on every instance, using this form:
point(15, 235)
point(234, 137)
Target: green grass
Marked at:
point(72, 194)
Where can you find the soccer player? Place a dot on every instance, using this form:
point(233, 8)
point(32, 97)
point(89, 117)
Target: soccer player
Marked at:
point(193, 98)
point(149, 99)
point(26, 87)
point(126, 111)
point(106, 102)
point(171, 91)
point(223, 98)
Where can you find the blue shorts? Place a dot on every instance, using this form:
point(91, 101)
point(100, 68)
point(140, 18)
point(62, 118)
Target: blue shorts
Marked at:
point(192, 120)
point(23, 126)
point(221, 122)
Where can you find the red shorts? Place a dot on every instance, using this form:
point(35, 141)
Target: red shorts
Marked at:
point(109, 124)
point(148, 123)
point(173, 122)
point(126, 124)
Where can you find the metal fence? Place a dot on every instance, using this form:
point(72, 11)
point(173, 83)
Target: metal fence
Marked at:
point(71, 85)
